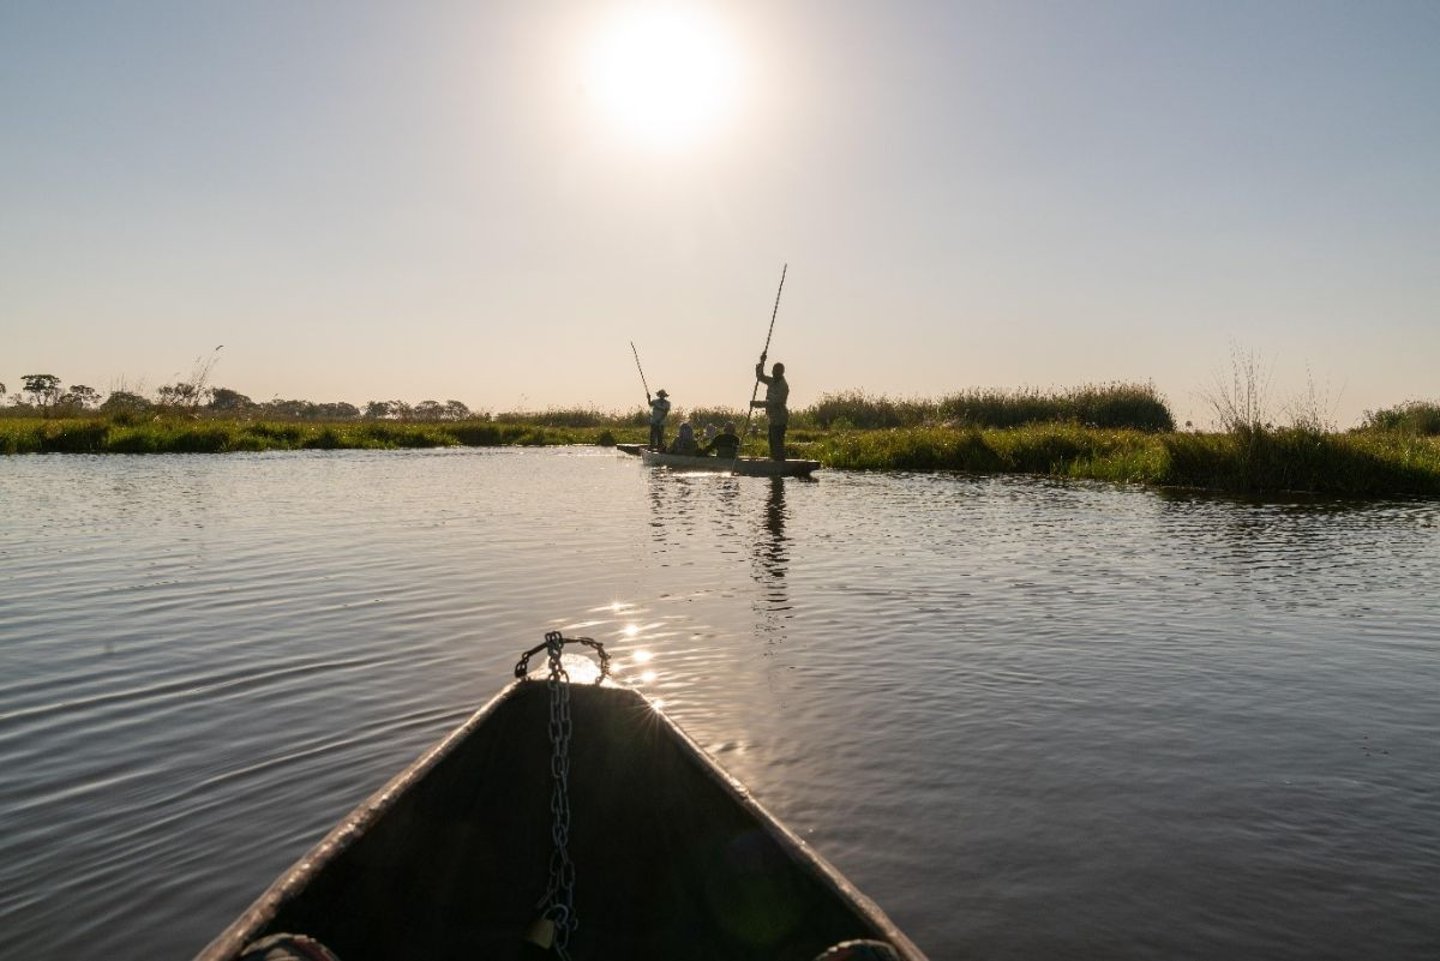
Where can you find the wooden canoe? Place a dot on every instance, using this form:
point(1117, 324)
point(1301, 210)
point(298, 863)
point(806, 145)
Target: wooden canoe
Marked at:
point(672, 857)
point(747, 466)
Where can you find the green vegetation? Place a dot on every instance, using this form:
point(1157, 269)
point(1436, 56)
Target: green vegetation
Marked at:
point(1415, 417)
point(1362, 463)
point(180, 435)
point(1134, 406)
point(1120, 433)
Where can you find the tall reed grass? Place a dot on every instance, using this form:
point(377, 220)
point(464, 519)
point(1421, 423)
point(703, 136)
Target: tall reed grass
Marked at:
point(857, 410)
point(1304, 460)
point(1414, 417)
point(1058, 449)
point(1254, 462)
point(1107, 406)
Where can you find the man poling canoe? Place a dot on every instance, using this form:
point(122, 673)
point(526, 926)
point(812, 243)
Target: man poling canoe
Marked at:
point(777, 393)
point(659, 410)
point(659, 406)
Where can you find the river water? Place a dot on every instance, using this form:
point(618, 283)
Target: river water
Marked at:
point(1030, 719)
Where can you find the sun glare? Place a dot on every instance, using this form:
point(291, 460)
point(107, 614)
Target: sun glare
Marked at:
point(667, 77)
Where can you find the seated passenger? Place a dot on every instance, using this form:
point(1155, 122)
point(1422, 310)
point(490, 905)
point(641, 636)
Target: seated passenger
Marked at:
point(726, 443)
point(685, 442)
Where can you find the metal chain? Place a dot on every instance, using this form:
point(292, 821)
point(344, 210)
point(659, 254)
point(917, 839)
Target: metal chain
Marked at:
point(558, 903)
point(522, 666)
point(559, 900)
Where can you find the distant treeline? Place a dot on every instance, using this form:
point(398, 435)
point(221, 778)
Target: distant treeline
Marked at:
point(1135, 406)
point(45, 396)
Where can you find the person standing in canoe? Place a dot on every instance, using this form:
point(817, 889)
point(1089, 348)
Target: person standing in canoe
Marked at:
point(777, 392)
point(659, 410)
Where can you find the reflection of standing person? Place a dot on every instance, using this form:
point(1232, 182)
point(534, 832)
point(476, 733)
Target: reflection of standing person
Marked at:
point(777, 392)
point(659, 410)
point(772, 547)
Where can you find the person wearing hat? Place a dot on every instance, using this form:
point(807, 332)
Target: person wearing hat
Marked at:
point(659, 410)
point(777, 393)
point(725, 444)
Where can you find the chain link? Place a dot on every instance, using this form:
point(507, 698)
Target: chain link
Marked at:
point(559, 900)
point(558, 904)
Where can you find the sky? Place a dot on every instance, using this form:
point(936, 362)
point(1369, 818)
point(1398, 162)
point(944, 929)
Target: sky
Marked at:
point(490, 202)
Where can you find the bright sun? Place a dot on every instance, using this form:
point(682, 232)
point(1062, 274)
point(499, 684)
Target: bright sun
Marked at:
point(667, 76)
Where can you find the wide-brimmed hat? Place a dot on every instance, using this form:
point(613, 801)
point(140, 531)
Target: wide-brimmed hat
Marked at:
point(661, 393)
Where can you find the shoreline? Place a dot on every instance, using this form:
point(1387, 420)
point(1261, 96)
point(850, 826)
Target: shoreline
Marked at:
point(1373, 463)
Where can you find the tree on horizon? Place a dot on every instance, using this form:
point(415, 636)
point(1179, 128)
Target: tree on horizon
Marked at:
point(44, 390)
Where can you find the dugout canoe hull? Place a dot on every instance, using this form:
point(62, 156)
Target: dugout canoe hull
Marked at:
point(673, 858)
point(746, 466)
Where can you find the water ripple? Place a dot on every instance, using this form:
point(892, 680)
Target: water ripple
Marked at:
point(1030, 718)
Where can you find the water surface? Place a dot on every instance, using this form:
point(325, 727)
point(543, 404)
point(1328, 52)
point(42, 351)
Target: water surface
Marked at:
point(1030, 719)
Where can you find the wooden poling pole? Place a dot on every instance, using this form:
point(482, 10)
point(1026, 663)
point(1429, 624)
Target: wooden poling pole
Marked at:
point(755, 391)
point(641, 369)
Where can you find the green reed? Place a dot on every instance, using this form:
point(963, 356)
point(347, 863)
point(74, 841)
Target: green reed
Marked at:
point(1246, 459)
point(99, 435)
point(1415, 417)
point(1301, 459)
point(1262, 461)
point(1114, 406)
point(1058, 449)
point(579, 417)
point(858, 410)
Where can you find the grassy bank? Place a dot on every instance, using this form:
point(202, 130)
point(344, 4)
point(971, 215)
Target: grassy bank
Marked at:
point(181, 435)
point(1360, 464)
point(1370, 463)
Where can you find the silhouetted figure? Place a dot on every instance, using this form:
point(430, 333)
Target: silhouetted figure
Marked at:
point(685, 442)
point(659, 410)
point(777, 392)
point(725, 444)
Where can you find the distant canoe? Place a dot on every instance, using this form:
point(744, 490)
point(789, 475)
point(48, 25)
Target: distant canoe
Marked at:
point(672, 857)
point(748, 466)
